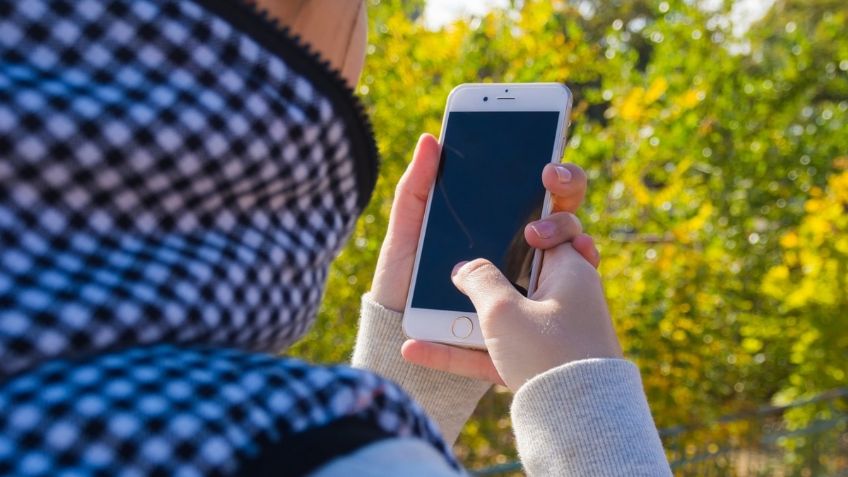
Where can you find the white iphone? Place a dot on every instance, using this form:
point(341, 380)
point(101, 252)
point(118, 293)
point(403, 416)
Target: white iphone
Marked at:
point(496, 139)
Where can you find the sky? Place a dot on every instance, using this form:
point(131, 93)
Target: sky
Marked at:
point(442, 12)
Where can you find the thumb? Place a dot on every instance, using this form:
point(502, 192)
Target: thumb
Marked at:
point(486, 287)
point(412, 190)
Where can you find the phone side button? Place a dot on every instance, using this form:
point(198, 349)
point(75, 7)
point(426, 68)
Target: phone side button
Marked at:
point(462, 327)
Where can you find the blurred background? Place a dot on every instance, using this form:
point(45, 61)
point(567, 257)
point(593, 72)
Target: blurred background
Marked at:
point(715, 136)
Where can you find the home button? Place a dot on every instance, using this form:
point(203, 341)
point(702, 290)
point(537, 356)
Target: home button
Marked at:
point(461, 327)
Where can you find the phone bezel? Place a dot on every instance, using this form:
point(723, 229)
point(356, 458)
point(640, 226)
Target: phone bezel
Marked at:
point(436, 325)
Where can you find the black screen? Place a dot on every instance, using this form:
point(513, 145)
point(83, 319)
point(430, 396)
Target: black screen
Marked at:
point(489, 186)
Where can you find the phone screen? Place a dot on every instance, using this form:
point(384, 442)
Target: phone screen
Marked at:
point(488, 188)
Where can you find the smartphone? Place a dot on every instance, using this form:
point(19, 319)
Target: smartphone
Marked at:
point(496, 139)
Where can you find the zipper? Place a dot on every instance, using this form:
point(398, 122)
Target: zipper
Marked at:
point(249, 19)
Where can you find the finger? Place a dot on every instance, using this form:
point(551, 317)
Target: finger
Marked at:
point(567, 185)
point(415, 183)
point(557, 228)
point(562, 262)
point(397, 255)
point(413, 188)
point(464, 362)
point(585, 246)
point(488, 289)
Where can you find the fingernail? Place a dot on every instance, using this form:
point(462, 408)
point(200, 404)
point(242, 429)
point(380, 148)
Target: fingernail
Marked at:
point(563, 174)
point(457, 267)
point(543, 228)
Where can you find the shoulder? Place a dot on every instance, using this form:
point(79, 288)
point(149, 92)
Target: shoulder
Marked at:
point(406, 456)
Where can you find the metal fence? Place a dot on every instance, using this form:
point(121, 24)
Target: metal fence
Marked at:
point(806, 438)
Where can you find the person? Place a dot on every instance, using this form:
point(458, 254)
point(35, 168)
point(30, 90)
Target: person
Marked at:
point(176, 178)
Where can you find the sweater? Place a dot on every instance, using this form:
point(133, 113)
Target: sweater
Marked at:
point(583, 418)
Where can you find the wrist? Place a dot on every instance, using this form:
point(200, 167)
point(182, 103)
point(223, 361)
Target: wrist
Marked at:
point(579, 351)
point(387, 299)
point(388, 289)
point(585, 366)
point(553, 346)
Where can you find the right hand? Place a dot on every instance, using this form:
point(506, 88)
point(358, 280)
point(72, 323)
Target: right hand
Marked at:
point(566, 320)
point(567, 185)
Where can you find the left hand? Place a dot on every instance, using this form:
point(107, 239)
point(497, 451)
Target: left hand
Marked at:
point(565, 182)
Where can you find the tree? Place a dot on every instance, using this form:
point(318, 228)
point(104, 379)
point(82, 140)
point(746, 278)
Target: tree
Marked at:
point(717, 170)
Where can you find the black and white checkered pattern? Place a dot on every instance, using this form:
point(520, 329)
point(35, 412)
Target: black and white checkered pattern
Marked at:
point(164, 178)
point(169, 411)
point(174, 172)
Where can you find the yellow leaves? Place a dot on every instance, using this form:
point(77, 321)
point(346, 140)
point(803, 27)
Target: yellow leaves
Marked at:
point(638, 285)
point(656, 90)
point(839, 185)
point(490, 27)
point(397, 24)
point(690, 98)
point(776, 281)
point(644, 105)
point(818, 226)
point(826, 211)
point(841, 244)
point(685, 231)
point(804, 342)
point(666, 261)
point(559, 39)
point(666, 327)
point(778, 273)
point(684, 323)
point(814, 205)
point(815, 254)
point(752, 345)
point(802, 295)
point(825, 222)
point(535, 18)
point(637, 101)
point(638, 191)
point(798, 287)
point(789, 240)
point(678, 328)
point(433, 125)
point(632, 106)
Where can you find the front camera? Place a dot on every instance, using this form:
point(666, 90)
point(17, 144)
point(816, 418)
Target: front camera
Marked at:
point(485, 98)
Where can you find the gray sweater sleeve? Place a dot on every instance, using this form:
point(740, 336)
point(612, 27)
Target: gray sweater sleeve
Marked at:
point(449, 399)
point(587, 417)
point(584, 418)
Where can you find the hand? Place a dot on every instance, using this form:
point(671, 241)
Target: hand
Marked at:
point(567, 184)
point(566, 320)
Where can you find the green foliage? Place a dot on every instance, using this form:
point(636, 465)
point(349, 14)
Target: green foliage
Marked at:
point(718, 193)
